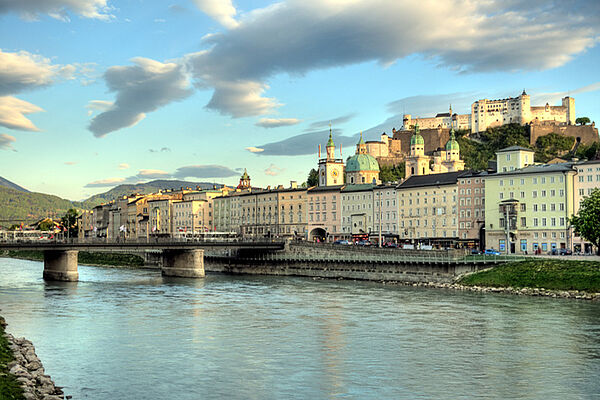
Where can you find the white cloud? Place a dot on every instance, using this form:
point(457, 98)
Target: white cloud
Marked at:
point(152, 174)
point(123, 166)
point(277, 122)
point(222, 11)
point(552, 98)
point(241, 99)
point(273, 170)
point(98, 105)
point(141, 88)
point(6, 142)
point(58, 9)
point(298, 36)
point(105, 182)
point(13, 111)
point(204, 171)
point(253, 149)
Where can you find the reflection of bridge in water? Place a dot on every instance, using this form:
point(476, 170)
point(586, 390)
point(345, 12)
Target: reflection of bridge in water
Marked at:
point(182, 259)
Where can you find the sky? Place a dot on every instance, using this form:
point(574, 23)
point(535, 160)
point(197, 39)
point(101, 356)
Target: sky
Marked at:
point(95, 93)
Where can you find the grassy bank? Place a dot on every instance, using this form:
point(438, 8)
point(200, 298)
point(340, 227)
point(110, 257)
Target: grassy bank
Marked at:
point(540, 273)
point(10, 388)
point(84, 257)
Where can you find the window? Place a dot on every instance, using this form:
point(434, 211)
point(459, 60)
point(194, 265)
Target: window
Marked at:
point(523, 221)
point(534, 194)
point(523, 207)
point(543, 221)
point(543, 193)
point(522, 195)
point(501, 195)
point(553, 221)
point(535, 222)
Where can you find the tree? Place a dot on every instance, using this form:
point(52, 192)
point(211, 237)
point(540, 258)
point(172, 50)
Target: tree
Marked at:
point(582, 121)
point(588, 151)
point(587, 221)
point(391, 173)
point(69, 221)
point(552, 145)
point(313, 178)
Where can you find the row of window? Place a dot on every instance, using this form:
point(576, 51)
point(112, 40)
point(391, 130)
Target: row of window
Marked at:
point(535, 180)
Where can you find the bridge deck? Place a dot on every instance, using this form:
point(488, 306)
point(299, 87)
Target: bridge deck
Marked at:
point(140, 246)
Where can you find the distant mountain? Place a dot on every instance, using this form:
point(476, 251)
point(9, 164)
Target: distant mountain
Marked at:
point(22, 206)
point(8, 184)
point(143, 188)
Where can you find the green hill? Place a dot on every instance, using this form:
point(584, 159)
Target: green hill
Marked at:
point(8, 184)
point(28, 207)
point(144, 188)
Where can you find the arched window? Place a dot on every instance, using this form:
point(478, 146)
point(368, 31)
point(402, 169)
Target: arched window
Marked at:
point(363, 179)
point(351, 179)
point(412, 170)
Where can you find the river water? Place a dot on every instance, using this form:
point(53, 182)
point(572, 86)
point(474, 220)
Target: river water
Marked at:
point(131, 334)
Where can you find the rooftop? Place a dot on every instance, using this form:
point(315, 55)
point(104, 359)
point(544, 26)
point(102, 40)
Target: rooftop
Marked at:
point(447, 178)
point(514, 148)
point(538, 169)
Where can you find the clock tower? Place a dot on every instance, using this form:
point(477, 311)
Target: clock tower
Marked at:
point(331, 170)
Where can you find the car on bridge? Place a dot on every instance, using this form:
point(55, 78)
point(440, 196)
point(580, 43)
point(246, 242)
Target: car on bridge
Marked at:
point(344, 242)
point(491, 252)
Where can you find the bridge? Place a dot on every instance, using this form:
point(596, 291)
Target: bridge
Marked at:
point(181, 259)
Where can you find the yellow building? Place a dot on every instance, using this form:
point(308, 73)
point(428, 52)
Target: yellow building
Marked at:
point(527, 206)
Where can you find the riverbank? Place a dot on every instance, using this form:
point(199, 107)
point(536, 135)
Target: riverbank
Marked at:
point(21, 371)
point(84, 257)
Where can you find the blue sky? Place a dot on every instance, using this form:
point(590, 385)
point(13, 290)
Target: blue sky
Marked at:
point(94, 93)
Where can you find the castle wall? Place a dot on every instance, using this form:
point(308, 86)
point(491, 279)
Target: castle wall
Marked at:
point(587, 133)
point(434, 139)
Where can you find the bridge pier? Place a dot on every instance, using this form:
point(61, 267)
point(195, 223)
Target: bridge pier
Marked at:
point(60, 265)
point(183, 263)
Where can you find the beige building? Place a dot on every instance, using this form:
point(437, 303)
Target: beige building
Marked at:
point(428, 209)
point(357, 211)
point(527, 206)
point(587, 179)
point(385, 213)
point(324, 213)
point(471, 209)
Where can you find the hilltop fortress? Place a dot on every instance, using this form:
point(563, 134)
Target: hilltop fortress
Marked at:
point(541, 120)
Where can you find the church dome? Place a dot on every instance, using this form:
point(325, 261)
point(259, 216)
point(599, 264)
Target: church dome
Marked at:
point(452, 144)
point(417, 138)
point(361, 162)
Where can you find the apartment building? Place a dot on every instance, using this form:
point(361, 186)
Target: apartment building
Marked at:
point(587, 179)
point(471, 209)
point(324, 213)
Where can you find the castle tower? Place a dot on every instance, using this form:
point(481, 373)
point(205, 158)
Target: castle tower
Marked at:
point(244, 181)
point(569, 104)
point(417, 163)
point(525, 104)
point(331, 170)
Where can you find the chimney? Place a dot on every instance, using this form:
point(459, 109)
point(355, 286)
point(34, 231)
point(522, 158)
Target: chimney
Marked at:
point(293, 185)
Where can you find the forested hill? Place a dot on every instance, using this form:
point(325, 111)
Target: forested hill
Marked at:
point(145, 188)
point(18, 206)
point(8, 184)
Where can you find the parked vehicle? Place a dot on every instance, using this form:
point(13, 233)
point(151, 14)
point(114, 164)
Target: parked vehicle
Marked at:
point(565, 252)
point(363, 243)
point(475, 251)
point(491, 252)
point(344, 242)
point(390, 244)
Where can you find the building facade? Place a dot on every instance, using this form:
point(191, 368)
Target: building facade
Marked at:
point(587, 180)
point(324, 213)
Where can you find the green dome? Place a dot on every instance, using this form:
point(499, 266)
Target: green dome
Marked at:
point(361, 162)
point(417, 139)
point(330, 142)
point(452, 143)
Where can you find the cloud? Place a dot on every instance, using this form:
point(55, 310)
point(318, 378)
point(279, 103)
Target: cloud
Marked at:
point(123, 166)
point(98, 105)
point(273, 170)
point(222, 11)
point(552, 98)
point(70, 162)
point(333, 121)
point(6, 142)
point(177, 9)
point(298, 36)
point(430, 105)
point(23, 70)
point(204, 171)
point(306, 143)
point(58, 9)
point(105, 182)
point(277, 122)
point(241, 99)
point(141, 88)
point(161, 150)
point(13, 111)
point(254, 149)
point(152, 174)
point(160, 20)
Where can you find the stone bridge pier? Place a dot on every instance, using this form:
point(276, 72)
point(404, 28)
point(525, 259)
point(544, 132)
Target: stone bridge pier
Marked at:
point(61, 265)
point(185, 263)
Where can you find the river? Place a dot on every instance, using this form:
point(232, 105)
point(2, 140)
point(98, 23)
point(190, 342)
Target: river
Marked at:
point(131, 334)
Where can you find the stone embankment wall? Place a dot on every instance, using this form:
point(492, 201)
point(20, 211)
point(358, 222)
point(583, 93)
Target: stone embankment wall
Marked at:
point(29, 370)
point(339, 262)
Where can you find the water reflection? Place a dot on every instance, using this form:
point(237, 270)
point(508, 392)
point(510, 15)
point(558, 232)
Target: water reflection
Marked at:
point(131, 334)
